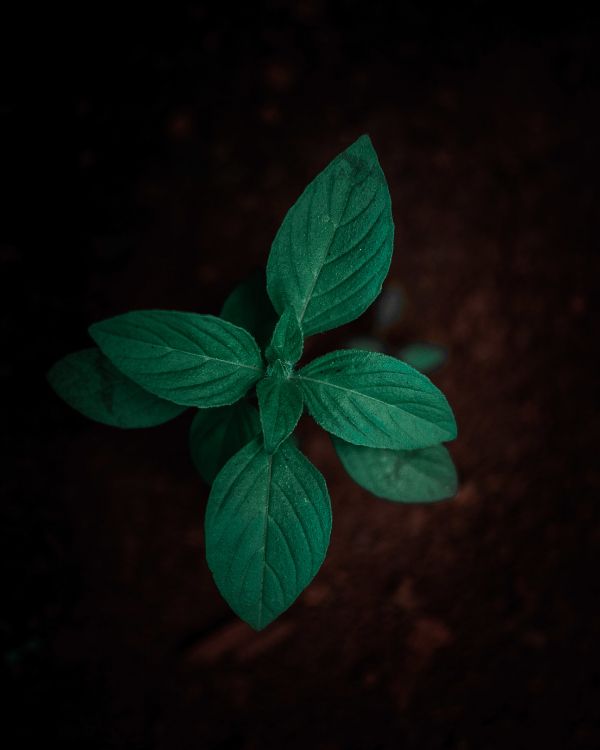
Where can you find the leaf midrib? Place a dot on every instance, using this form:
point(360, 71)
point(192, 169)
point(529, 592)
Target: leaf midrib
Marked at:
point(327, 249)
point(350, 390)
point(185, 351)
point(264, 544)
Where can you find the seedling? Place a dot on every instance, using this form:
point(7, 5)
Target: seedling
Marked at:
point(268, 519)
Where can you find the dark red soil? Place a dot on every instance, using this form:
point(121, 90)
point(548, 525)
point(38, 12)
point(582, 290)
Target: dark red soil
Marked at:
point(472, 624)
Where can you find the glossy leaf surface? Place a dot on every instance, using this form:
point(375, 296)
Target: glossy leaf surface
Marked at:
point(372, 399)
point(217, 434)
point(418, 476)
point(196, 360)
point(334, 247)
point(268, 523)
point(89, 383)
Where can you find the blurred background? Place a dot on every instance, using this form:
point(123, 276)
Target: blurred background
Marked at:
point(149, 157)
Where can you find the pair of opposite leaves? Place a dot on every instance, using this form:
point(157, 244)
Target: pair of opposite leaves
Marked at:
point(268, 518)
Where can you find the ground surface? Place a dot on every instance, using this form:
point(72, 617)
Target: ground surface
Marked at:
point(471, 624)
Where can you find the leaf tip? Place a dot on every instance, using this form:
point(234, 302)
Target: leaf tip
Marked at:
point(363, 146)
point(365, 139)
point(258, 624)
point(452, 427)
point(95, 330)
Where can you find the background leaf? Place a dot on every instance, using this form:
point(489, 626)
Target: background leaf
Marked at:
point(191, 359)
point(334, 247)
point(217, 434)
point(89, 383)
point(423, 357)
point(249, 307)
point(372, 399)
point(287, 342)
point(418, 476)
point(268, 523)
point(281, 402)
point(390, 306)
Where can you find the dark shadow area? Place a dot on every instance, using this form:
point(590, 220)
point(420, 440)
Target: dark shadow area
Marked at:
point(149, 167)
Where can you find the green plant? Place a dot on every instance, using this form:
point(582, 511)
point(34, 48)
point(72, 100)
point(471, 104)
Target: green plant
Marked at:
point(268, 519)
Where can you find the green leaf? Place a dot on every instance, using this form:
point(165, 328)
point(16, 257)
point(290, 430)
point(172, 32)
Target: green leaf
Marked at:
point(372, 399)
point(287, 342)
point(249, 307)
point(268, 523)
point(196, 360)
point(418, 476)
point(217, 434)
point(89, 383)
point(334, 247)
point(280, 401)
point(423, 357)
